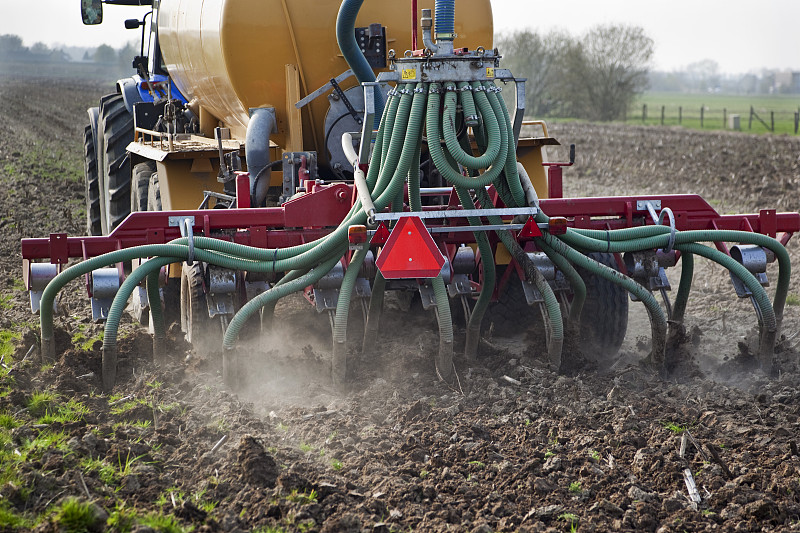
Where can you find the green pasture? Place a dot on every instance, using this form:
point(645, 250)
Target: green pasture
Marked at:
point(685, 110)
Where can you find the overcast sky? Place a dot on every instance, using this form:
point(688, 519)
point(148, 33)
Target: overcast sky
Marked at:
point(740, 35)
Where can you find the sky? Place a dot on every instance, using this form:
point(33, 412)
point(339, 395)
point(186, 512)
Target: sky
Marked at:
point(740, 35)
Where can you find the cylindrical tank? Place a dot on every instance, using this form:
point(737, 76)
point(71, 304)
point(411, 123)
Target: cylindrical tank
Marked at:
point(231, 55)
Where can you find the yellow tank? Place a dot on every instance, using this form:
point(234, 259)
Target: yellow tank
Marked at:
point(232, 55)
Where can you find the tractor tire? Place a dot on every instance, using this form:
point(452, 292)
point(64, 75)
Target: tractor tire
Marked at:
point(203, 332)
point(140, 183)
point(154, 194)
point(604, 320)
point(171, 292)
point(93, 222)
point(116, 123)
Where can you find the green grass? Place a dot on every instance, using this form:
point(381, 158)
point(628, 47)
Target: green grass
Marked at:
point(47, 440)
point(125, 520)
point(130, 405)
point(673, 427)
point(10, 520)
point(106, 472)
point(125, 466)
point(85, 342)
point(792, 299)
point(306, 448)
point(715, 107)
point(199, 499)
point(71, 411)
point(575, 487)
point(74, 516)
point(302, 497)
point(40, 402)
point(7, 421)
point(7, 339)
point(336, 464)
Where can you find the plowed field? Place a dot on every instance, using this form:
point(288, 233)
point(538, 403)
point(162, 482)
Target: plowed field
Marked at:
point(510, 446)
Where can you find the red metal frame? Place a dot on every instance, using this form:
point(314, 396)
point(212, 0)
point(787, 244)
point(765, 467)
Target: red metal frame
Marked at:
point(316, 213)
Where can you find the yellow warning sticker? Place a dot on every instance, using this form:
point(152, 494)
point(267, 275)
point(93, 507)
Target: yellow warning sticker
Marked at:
point(409, 74)
point(490, 72)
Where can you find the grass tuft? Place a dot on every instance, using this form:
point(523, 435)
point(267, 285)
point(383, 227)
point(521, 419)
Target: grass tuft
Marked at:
point(74, 516)
point(40, 402)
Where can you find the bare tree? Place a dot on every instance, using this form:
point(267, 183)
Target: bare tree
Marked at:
point(537, 58)
point(605, 71)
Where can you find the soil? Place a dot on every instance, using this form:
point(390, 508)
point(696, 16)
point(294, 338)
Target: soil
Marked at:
point(509, 446)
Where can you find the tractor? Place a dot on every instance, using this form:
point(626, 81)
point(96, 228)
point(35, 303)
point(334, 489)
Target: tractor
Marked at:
point(342, 149)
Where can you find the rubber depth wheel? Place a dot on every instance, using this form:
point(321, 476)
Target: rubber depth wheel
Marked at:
point(201, 331)
point(604, 320)
point(93, 222)
point(116, 123)
point(511, 314)
point(140, 184)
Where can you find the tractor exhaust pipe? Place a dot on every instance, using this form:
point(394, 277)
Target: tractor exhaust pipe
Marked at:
point(262, 124)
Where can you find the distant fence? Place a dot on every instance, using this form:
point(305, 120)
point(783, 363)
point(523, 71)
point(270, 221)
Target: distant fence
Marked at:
point(704, 117)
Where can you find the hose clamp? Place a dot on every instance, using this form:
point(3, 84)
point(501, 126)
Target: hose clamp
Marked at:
point(404, 91)
point(419, 90)
point(466, 88)
point(450, 88)
point(434, 90)
point(494, 89)
point(392, 92)
point(479, 88)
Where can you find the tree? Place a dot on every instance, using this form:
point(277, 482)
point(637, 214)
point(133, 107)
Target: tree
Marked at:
point(605, 70)
point(537, 58)
point(105, 54)
point(126, 54)
point(11, 45)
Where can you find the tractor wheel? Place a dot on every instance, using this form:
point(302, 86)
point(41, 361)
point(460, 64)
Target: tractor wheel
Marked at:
point(171, 292)
point(201, 331)
point(93, 224)
point(604, 319)
point(116, 123)
point(154, 194)
point(141, 186)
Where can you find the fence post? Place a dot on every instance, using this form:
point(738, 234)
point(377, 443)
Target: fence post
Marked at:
point(724, 118)
point(772, 121)
point(750, 120)
point(644, 113)
point(796, 121)
point(662, 115)
point(702, 112)
point(680, 115)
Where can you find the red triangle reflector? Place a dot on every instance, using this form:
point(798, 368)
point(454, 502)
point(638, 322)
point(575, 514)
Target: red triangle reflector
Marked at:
point(529, 230)
point(381, 234)
point(410, 252)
